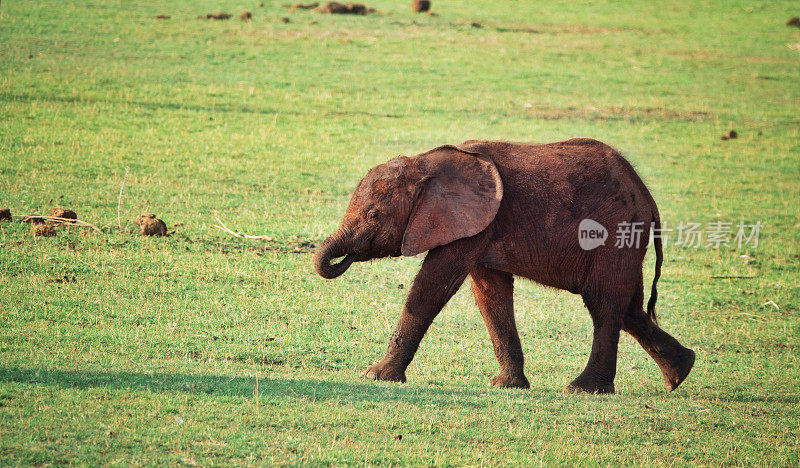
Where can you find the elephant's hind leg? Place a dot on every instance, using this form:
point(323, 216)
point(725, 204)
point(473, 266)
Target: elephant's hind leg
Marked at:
point(674, 360)
point(598, 376)
point(494, 293)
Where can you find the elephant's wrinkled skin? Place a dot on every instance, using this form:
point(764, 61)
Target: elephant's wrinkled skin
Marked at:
point(492, 210)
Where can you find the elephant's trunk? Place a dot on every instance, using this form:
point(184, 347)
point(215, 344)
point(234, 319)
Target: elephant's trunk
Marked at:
point(335, 246)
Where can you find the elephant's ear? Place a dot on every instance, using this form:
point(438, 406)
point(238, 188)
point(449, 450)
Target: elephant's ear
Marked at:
point(458, 197)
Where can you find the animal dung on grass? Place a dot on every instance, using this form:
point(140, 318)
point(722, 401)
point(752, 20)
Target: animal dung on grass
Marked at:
point(149, 225)
point(44, 230)
point(420, 6)
point(163, 17)
point(336, 8)
point(245, 16)
point(301, 6)
point(59, 212)
point(32, 219)
point(217, 16)
point(731, 135)
point(794, 22)
point(139, 219)
point(5, 214)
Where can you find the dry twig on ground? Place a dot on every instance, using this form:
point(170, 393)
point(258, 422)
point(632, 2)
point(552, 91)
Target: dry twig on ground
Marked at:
point(222, 227)
point(74, 222)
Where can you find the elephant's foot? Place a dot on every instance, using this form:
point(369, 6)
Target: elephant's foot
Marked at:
point(584, 384)
point(381, 371)
point(510, 380)
point(676, 370)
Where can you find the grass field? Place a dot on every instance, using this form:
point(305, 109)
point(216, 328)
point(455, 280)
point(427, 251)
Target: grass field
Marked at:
point(202, 348)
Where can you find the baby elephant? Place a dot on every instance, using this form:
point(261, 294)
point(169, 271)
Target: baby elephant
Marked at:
point(572, 215)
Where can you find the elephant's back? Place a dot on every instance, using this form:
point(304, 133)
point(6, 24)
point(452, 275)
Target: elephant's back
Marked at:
point(550, 188)
point(575, 175)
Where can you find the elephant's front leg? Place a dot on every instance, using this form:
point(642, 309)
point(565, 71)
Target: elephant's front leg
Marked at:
point(442, 273)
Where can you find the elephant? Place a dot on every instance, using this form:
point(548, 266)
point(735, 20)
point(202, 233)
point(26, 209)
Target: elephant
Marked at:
point(493, 210)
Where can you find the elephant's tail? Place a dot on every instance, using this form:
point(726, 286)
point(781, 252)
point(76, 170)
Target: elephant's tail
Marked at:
point(651, 304)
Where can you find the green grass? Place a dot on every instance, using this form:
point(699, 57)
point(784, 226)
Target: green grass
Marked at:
point(203, 348)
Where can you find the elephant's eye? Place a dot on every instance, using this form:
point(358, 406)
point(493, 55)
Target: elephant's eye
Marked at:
point(372, 215)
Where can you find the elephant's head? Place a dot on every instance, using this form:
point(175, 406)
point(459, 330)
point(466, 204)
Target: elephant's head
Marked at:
point(412, 204)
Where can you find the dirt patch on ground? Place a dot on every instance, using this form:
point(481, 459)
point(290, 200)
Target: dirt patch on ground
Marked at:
point(62, 279)
point(44, 230)
point(537, 28)
point(163, 17)
point(5, 214)
point(289, 34)
point(149, 225)
point(794, 22)
point(291, 245)
point(65, 213)
point(336, 8)
point(614, 113)
point(299, 245)
point(245, 16)
point(420, 6)
point(520, 30)
point(714, 56)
